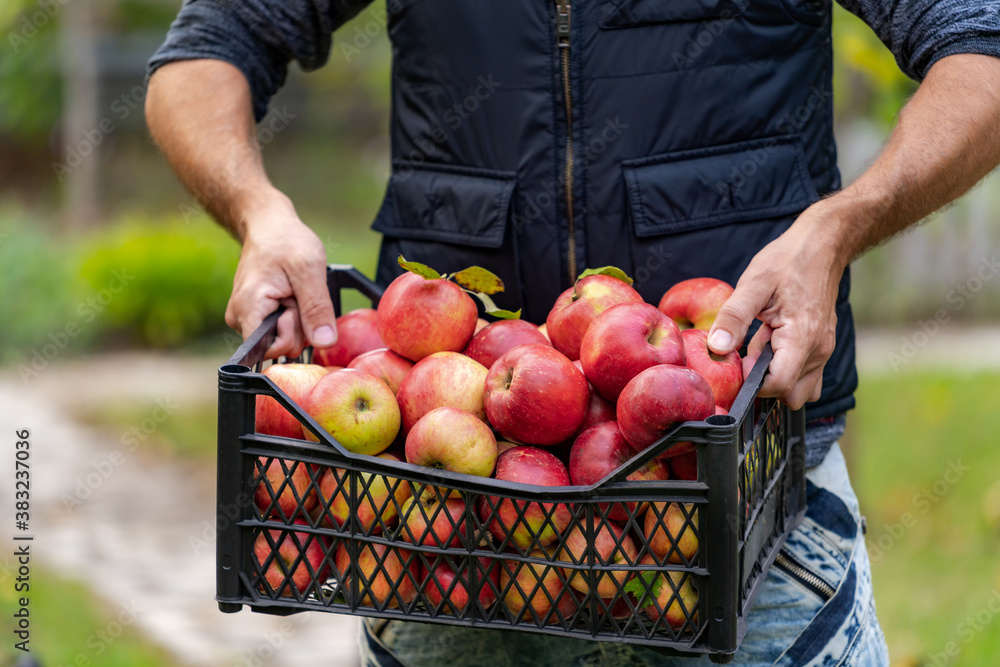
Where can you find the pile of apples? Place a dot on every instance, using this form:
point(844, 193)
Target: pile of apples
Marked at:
point(425, 380)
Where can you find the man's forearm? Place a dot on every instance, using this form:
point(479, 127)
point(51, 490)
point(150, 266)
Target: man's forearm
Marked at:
point(946, 140)
point(200, 114)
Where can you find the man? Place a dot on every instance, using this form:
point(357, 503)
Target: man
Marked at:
point(673, 139)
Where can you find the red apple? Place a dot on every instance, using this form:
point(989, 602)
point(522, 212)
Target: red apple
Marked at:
point(291, 560)
point(453, 440)
point(444, 585)
point(357, 333)
point(504, 445)
point(380, 498)
point(489, 344)
point(684, 466)
point(724, 373)
point(389, 575)
point(677, 600)
point(425, 519)
point(535, 395)
point(296, 380)
point(534, 587)
point(668, 532)
point(611, 546)
point(356, 408)
point(544, 330)
point(598, 452)
point(480, 323)
point(657, 399)
point(578, 306)
point(527, 465)
point(626, 340)
point(599, 409)
point(418, 317)
point(694, 303)
point(444, 379)
point(384, 364)
point(289, 483)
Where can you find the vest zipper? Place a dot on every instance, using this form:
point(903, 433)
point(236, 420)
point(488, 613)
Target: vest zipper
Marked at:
point(792, 568)
point(562, 39)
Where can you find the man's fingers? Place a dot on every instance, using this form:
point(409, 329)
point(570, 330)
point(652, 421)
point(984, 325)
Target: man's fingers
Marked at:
point(807, 389)
point(308, 278)
point(288, 341)
point(736, 315)
point(755, 347)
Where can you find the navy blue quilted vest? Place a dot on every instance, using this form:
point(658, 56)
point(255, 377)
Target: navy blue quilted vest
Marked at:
point(671, 138)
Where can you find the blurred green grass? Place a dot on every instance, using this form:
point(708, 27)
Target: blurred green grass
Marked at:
point(923, 448)
point(71, 626)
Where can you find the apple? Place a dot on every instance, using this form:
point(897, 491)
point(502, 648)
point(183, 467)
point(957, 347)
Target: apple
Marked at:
point(668, 532)
point(377, 507)
point(480, 323)
point(453, 440)
point(724, 373)
point(611, 545)
point(599, 409)
point(356, 408)
point(694, 303)
point(489, 344)
point(425, 519)
point(296, 560)
point(443, 379)
point(504, 445)
point(357, 333)
point(534, 587)
point(598, 452)
point(418, 317)
point(535, 395)
point(296, 492)
point(677, 598)
point(544, 330)
point(626, 340)
point(296, 380)
point(657, 399)
point(444, 585)
point(384, 364)
point(389, 575)
point(580, 305)
point(684, 466)
point(541, 523)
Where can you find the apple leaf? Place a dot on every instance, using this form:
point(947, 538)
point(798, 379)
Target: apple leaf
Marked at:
point(644, 584)
point(491, 308)
point(478, 279)
point(418, 268)
point(612, 271)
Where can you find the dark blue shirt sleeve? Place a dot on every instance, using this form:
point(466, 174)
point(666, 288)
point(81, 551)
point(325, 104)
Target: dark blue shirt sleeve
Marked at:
point(921, 32)
point(260, 37)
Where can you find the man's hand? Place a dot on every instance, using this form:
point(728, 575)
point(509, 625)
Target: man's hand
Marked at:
point(947, 138)
point(791, 286)
point(283, 262)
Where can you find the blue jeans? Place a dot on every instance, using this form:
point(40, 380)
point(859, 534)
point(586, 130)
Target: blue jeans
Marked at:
point(791, 624)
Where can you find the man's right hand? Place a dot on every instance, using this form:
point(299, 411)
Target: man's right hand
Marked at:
point(282, 262)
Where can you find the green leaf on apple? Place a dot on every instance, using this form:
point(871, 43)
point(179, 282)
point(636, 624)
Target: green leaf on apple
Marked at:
point(478, 279)
point(612, 271)
point(420, 269)
point(491, 308)
point(644, 584)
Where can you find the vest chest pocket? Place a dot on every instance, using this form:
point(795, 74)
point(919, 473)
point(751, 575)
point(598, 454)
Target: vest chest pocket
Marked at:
point(634, 13)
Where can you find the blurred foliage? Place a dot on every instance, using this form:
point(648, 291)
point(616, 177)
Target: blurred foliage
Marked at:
point(30, 83)
point(139, 281)
point(177, 278)
point(867, 80)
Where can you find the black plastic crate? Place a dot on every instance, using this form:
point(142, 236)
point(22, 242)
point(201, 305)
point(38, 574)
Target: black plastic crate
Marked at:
point(749, 495)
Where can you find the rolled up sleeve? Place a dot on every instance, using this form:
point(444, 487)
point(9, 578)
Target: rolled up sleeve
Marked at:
point(921, 32)
point(260, 37)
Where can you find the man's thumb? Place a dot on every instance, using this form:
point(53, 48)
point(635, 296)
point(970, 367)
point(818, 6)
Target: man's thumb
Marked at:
point(733, 320)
